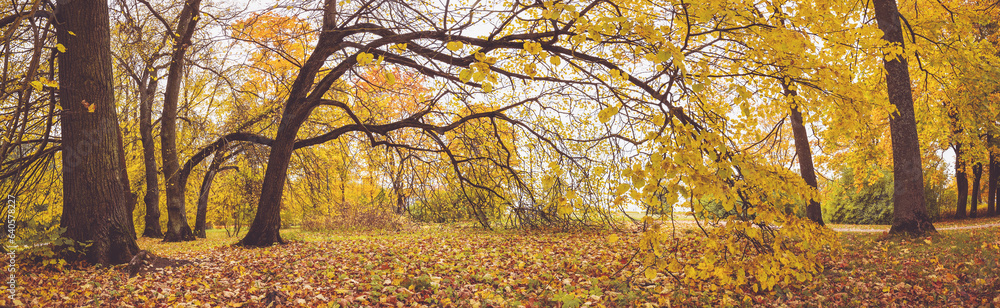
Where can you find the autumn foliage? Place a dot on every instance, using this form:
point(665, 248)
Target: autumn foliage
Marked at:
point(613, 153)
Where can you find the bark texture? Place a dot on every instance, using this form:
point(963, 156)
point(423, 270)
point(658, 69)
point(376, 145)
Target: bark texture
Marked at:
point(152, 196)
point(97, 201)
point(909, 206)
point(177, 225)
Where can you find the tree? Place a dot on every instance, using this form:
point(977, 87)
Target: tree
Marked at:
point(961, 177)
point(962, 182)
point(177, 224)
point(97, 201)
point(994, 177)
point(147, 91)
point(138, 60)
point(977, 175)
point(804, 151)
point(214, 168)
point(909, 206)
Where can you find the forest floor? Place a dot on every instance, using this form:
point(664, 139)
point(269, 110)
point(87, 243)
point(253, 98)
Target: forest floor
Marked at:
point(441, 265)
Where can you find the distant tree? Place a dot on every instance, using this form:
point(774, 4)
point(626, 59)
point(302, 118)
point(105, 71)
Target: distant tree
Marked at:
point(962, 183)
point(994, 177)
point(214, 168)
point(977, 175)
point(961, 177)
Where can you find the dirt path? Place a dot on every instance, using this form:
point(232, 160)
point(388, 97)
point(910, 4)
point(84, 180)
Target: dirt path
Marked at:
point(939, 229)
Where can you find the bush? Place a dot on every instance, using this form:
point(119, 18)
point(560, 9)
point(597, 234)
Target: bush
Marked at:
point(441, 207)
point(872, 203)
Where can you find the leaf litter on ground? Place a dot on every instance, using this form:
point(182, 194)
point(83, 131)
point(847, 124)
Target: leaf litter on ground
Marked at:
point(462, 267)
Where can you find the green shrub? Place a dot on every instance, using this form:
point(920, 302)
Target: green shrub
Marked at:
point(871, 203)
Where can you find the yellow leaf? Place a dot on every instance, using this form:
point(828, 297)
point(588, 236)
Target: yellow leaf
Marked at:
point(465, 75)
point(650, 273)
point(555, 60)
point(613, 238)
point(390, 78)
point(36, 84)
point(663, 56)
point(614, 74)
point(606, 114)
point(60, 48)
point(364, 58)
point(455, 45)
point(90, 107)
point(49, 83)
point(71, 33)
point(658, 119)
point(533, 47)
point(530, 70)
point(400, 48)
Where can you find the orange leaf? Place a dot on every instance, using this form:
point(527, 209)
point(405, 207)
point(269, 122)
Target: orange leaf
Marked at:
point(90, 107)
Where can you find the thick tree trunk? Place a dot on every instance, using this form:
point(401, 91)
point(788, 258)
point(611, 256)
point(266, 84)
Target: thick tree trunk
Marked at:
point(962, 183)
point(909, 206)
point(152, 197)
point(264, 231)
point(991, 183)
point(813, 211)
point(96, 196)
point(177, 224)
point(977, 174)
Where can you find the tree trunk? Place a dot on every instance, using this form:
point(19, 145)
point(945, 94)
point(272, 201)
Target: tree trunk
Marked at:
point(206, 186)
point(962, 183)
point(909, 206)
point(152, 197)
point(977, 174)
point(177, 225)
point(96, 196)
point(267, 221)
point(813, 211)
point(264, 231)
point(991, 182)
